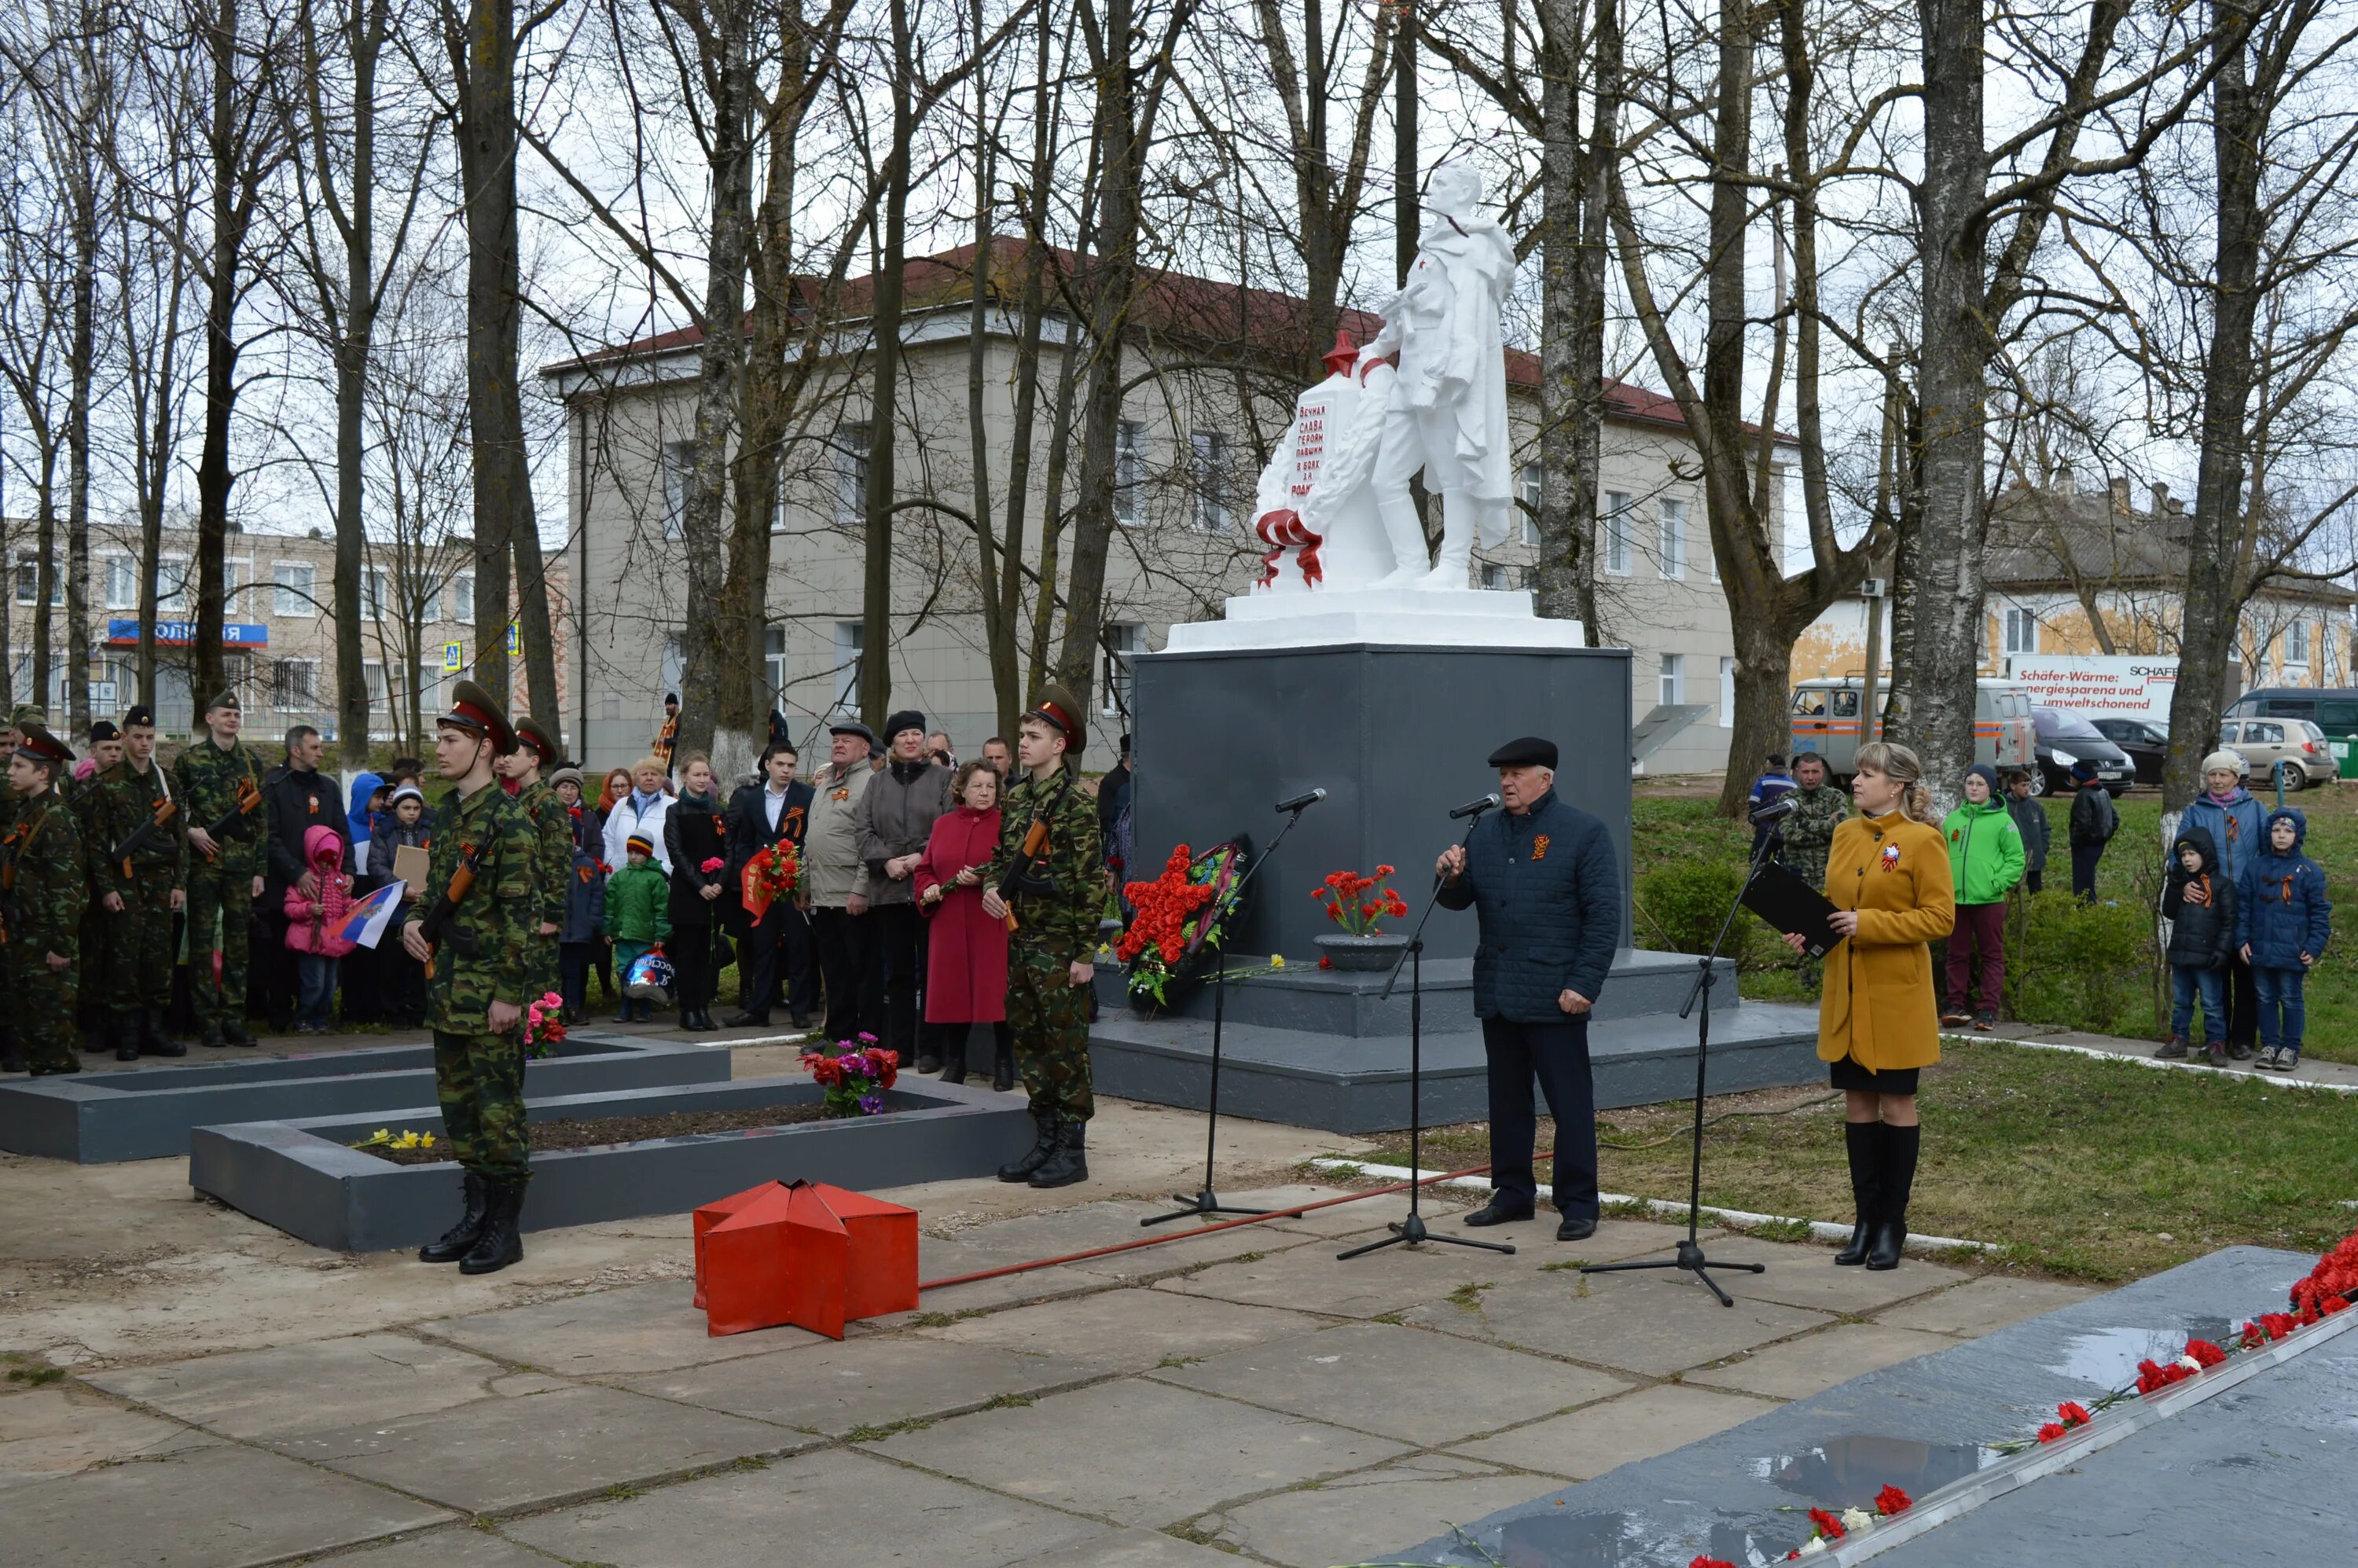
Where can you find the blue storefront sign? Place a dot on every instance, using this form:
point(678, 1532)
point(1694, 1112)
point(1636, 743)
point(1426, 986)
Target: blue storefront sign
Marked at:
point(181, 634)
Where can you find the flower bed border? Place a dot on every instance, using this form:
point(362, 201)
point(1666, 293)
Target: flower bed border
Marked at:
point(99, 1118)
point(302, 1178)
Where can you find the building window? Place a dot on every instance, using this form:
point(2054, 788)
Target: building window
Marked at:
point(2021, 631)
point(1674, 684)
point(28, 577)
point(678, 469)
point(850, 475)
point(462, 589)
point(1672, 515)
point(1495, 578)
point(1208, 454)
point(1617, 533)
point(373, 677)
point(174, 577)
point(293, 683)
point(1527, 487)
point(774, 661)
point(291, 585)
point(2296, 643)
point(1123, 642)
point(1727, 692)
point(122, 583)
point(849, 637)
point(1130, 473)
point(236, 574)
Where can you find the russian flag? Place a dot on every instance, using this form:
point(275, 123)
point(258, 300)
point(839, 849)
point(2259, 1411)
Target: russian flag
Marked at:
point(372, 914)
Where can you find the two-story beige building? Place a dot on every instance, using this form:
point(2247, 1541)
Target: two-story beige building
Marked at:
point(278, 628)
point(1208, 397)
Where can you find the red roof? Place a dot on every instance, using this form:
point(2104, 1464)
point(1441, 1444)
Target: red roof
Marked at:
point(1174, 303)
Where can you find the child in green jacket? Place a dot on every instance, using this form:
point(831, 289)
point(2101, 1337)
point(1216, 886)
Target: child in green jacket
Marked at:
point(637, 898)
point(1985, 859)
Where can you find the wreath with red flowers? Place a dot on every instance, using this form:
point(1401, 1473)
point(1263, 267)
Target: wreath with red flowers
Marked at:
point(1178, 916)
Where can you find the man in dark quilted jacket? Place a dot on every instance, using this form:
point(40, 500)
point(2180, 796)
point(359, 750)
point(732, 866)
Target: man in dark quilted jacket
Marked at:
point(1543, 880)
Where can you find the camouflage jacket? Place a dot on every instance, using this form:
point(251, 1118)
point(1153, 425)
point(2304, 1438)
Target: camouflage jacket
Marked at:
point(206, 778)
point(1063, 905)
point(552, 867)
point(45, 878)
point(121, 800)
point(482, 956)
point(1809, 832)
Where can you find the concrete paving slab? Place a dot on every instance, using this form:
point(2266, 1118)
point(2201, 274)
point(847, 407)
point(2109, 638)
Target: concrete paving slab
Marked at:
point(835, 1506)
point(1311, 1277)
point(1803, 1366)
point(1614, 1240)
point(836, 1387)
point(1138, 1452)
point(498, 1454)
point(1590, 1442)
point(1060, 1231)
point(644, 1328)
point(1647, 1323)
point(51, 1431)
point(1807, 1276)
point(216, 1507)
point(1342, 1219)
point(1424, 1389)
point(1983, 1306)
point(453, 1546)
point(1125, 1330)
point(1357, 1517)
point(304, 1388)
point(1130, 1548)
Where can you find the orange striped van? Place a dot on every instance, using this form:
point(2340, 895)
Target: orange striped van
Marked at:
point(1825, 721)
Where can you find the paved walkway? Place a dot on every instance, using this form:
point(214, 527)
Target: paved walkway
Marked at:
point(1244, 1392)
point(2341, 1074)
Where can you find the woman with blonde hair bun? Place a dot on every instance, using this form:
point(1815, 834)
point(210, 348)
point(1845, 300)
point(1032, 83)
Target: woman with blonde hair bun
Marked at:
point(1879, 1020)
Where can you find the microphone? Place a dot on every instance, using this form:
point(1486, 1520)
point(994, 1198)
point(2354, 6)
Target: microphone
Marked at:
point(1474, 808)
point(1301, 802)
point(1770, 810)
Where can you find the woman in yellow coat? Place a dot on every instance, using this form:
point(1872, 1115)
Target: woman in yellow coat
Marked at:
point(1879, 1020)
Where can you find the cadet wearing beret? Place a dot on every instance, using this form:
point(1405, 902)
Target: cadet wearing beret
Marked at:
point(214, 772)
point(43, 887)
point(1545, 885)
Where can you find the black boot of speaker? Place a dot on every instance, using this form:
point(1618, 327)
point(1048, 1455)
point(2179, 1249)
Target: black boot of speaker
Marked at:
point(502, 1242)
point(1899, 1147)
point(1002, 1058)
point(954, 1055)
point(1069, 1163)
point(157, 1038)
point(1863, 1142)
point(1020, 1169)
point(461, 1239)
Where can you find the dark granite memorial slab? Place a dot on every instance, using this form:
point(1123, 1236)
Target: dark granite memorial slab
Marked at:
point(304, 1178)
point(2257, 1474)
point(147, 1113)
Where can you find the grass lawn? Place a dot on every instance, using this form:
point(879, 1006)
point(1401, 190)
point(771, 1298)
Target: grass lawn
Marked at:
point(1675, 830)
point(2078, 1168)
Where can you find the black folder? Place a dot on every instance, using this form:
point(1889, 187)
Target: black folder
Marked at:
point(1792, 906)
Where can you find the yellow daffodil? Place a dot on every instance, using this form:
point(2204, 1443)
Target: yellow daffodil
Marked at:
point(425, 1140)
point(1276, 962)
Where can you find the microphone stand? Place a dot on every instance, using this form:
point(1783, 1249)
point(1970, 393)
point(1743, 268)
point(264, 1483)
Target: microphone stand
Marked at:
point(1690, 1256)
point(1207, 1201)
point(1411, 1230)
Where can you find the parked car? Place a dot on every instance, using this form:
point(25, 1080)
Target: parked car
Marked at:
point(2290, 752)
point(2146, 743)
point(1826, 720)
point(2066, 737)
point(2332, 708)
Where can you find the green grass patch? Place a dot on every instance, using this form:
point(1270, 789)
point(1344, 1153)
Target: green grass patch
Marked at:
point(2078, 1167)
point(36, 1376)
point(889, 1429)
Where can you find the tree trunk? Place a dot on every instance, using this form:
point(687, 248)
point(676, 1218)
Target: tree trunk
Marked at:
point(883, 403)
point(213, 476)
point(82, 351)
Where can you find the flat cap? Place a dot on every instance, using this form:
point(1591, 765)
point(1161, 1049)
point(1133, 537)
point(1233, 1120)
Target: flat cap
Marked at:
point(1530, 751)
point(853, 727)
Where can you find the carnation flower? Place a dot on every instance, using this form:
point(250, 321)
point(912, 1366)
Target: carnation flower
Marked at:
point(2073, 1413)
point(711, 865)
point(1891, 1500)
point(2050, 1431)
point(1828, 1526)
point(1702, 1561)
point(1857, 1519)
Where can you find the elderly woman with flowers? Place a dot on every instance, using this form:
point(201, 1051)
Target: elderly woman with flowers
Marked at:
point(966, 953)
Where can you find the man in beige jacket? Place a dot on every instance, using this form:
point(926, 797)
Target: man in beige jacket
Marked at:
point(834, 887)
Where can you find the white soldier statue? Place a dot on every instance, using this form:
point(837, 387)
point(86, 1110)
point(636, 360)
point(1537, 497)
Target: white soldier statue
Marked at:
point(1361, 437)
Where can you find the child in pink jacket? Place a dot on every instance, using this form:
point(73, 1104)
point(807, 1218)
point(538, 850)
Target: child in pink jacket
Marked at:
point(315, 927)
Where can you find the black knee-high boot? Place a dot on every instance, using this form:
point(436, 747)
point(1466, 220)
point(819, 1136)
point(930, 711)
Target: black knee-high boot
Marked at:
point(1899, 1147)
point(1863, 1142)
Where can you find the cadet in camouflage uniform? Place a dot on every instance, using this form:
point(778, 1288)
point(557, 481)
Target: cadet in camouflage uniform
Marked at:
point(1050, 956)
point(135, 911)
point(477, 967)
point(1818, 809)
point(21, 718)
point(225, 878)
point(84, 795)
point(536, 751)
point(43, 887)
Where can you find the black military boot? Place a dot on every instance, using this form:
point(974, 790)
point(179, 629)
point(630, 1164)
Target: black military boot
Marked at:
point(502, 1242)
point(1070, 1163)
point(122, 1031)
point(211, 1034)
point(233, 1030)
point(154, 1039)
point(1020, 1170)
point(1003, 1059)
point(461, 1239)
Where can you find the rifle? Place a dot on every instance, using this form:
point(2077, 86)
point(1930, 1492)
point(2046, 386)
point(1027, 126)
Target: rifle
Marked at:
point(1020, 876)
point(146, 833)
point(445, 908)
point(249, 798)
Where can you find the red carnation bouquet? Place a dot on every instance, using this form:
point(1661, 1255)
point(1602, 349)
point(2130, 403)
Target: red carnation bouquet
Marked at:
point(772, 875)
point(855, 1075)
point(1359, 904)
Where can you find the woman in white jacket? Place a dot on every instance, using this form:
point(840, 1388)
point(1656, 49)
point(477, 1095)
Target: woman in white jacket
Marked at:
point(640, 812)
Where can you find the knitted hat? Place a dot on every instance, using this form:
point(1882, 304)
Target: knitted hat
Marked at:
point(907, 719)
point(566, 775)
point(2222, 759)
point(406, 792)
point(640, 843)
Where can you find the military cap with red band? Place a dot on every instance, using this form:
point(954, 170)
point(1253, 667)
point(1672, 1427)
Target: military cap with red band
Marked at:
point(1057, 706)
point(471, 708)
point(37, 743)
point(531, 733)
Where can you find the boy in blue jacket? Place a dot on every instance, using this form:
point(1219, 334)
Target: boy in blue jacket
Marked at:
point(2282, 920)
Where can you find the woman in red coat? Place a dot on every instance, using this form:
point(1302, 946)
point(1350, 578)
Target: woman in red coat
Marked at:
point(965, 961)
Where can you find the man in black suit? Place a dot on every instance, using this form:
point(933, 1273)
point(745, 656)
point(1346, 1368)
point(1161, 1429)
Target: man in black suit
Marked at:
point(760, 815)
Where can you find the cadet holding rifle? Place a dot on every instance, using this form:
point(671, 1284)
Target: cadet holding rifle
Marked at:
point(42, 890)
point(536, 751)
point(474, 938)
point(140, 886)
point(1047, 879)
point(21, 718)
point(220, 785)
